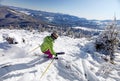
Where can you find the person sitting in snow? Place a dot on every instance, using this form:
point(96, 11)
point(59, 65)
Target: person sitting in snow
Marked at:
point(47, 45)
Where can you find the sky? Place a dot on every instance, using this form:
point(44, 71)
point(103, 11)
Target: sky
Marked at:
point(90, 9)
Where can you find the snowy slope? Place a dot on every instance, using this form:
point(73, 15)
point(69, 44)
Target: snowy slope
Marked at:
point(80, 62)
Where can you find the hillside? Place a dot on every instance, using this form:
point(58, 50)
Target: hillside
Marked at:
point(80, 63)
point(10, 16)
point(64, 20)
point(58, 19)
point(27, 17)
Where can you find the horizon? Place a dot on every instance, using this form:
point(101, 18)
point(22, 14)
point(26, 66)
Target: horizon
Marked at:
point(89, 9)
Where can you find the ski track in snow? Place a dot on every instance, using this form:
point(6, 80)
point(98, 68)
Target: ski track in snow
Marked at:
point(80, 63)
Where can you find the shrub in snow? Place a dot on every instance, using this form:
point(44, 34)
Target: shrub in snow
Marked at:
point(107, 41)
point(23, 40)
point(9, 39)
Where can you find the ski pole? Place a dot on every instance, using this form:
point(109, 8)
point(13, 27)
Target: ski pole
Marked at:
point(33, 49)
point(46, 68)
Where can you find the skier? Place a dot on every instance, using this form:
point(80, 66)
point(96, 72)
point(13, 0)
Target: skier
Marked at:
point(47, 45)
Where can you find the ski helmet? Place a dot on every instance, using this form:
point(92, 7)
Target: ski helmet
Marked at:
point(54, 35)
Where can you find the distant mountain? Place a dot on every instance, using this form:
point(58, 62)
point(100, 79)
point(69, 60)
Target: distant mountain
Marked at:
point(58, 19)
point(103, 23)
point(10, 16)
point(22, 16)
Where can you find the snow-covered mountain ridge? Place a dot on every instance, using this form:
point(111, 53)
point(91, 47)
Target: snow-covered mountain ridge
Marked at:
point(65, 20)
point(11, 17)
point(58, 19)
point(80, 62)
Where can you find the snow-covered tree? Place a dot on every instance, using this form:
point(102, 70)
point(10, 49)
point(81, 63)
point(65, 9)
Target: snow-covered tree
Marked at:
point(108, 40)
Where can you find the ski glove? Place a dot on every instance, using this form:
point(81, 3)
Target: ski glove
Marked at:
point(56, 55)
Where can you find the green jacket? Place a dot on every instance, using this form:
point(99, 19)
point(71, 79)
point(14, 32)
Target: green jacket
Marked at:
point(47, 44)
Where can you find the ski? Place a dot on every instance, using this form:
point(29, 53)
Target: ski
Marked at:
point(50, 58)
point(60, 53)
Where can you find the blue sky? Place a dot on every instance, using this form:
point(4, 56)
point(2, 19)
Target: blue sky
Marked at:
point(90, 9)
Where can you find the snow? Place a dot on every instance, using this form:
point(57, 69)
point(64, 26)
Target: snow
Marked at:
point(26, 12)
point(79, 63)
point(86, 29)
point(50, 18)
point(13, 11)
